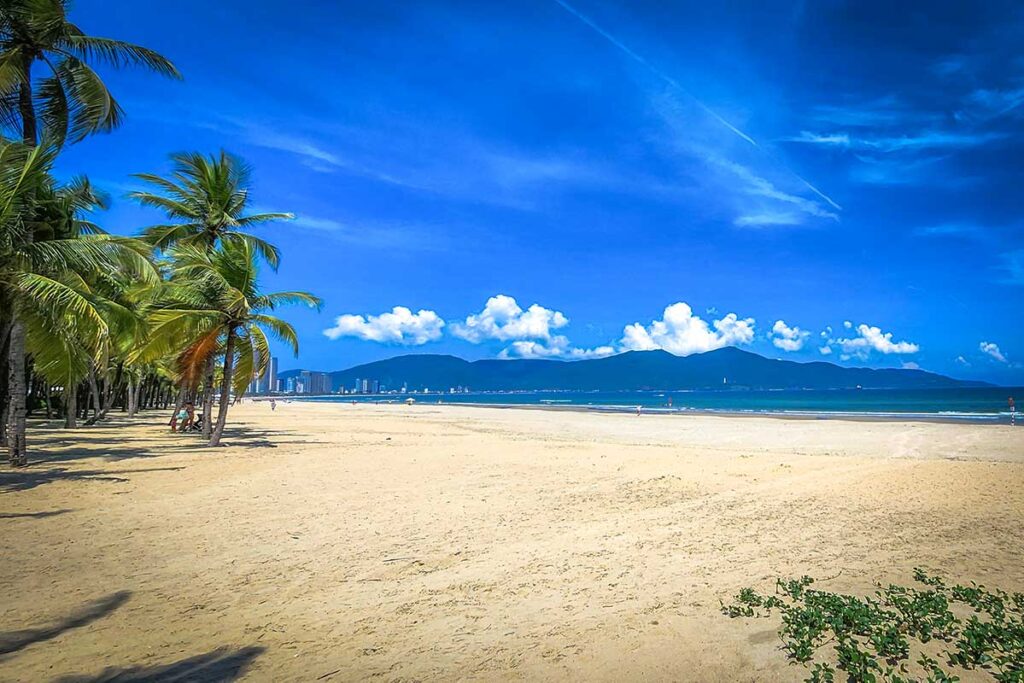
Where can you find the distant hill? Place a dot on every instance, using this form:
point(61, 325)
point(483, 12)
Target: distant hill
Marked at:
point(634, 370)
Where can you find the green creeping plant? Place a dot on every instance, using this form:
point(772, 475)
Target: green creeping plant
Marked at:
point(881, 639)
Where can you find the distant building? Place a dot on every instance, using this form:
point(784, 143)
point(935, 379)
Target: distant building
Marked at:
point(268, 383)
point(316, 382)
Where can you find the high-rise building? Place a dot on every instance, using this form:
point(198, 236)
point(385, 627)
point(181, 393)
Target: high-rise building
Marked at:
point(268, 383)
point(316, 382)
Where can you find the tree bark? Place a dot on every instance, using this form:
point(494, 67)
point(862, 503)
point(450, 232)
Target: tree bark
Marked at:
point(225, 388)
point(5, 337)
point(94, 393)
point(133, 396)
point(71, 407)
point(17, 451)
point(111, 389)
point(208, 397)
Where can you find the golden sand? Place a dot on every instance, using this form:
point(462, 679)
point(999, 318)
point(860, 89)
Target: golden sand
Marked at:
point(340, 542)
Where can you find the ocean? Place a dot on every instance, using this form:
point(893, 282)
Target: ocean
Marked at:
point(984, 405)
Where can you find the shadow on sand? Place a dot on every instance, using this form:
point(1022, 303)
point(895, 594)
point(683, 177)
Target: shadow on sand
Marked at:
point(52, 444)
point(16, 640)
point(25, 479)
point(221, 664)
point(35, 515)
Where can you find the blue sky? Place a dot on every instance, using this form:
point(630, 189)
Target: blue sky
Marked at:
point(546, 179)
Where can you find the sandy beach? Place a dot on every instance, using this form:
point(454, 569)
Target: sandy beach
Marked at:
point(338, 542)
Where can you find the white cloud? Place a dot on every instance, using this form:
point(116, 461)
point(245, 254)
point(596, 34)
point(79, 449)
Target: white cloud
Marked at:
point(503, 319)
point(681, 332)
point(992, 350)
point(825, 350)
point(910, 366)
point(556, 347)
point(960, 360)
point(788, 338)
point(400, 326)
point(870, 339)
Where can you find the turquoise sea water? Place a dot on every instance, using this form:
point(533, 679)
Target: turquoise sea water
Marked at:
point(988, 404)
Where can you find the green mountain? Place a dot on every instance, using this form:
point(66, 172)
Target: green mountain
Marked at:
point(635, 370)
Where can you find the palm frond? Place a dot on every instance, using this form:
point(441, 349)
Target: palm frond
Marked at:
point(116, 53)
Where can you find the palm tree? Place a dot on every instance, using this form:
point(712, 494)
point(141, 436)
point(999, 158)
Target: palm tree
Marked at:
point(205, 198)
point(45, 257)
point(71, 101)
point(230, 312)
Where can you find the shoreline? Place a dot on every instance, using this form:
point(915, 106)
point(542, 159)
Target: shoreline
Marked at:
point(994, 419)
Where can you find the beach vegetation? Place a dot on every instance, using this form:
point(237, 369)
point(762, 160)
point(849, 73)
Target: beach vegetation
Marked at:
point(931, 632)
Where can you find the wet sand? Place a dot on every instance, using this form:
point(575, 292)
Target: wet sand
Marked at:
point(340, 542)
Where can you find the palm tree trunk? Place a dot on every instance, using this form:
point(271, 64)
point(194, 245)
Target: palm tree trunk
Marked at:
point(70, 407)
point(17, 451)
point(225, 387)
point(5, 336)
point(111, 389)
point(47, 398)
point(26, 106)
point(208, 398)
point(94, 393)
point(133, 396)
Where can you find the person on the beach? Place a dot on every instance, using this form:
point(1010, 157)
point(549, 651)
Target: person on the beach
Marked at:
point(639, 409)
point(187, 416)
point(273, 405)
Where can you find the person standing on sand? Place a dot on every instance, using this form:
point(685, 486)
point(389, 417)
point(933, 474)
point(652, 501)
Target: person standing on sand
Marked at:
point(273, 405)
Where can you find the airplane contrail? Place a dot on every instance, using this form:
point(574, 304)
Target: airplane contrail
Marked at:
point(679, 86)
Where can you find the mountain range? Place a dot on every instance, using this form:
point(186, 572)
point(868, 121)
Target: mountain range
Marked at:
point(635, 370)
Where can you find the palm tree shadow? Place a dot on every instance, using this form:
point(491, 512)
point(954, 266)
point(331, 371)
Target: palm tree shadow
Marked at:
point(217, 665)
point(25, 479)
point(35, 515)
point(13, 641)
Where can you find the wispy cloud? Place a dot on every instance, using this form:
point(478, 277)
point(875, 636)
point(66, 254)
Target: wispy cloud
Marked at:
point(950, 230)
point(1013, 267)
point(677, 86)
point(758, 186)
point(882, 112)
point(834, 139)
point(927, 140)
point(767, 219)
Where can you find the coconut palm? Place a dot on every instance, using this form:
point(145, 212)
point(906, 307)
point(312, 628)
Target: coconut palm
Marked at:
point(220, 307)
point(205, 198)
point(45, 254)
point(70, 100)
